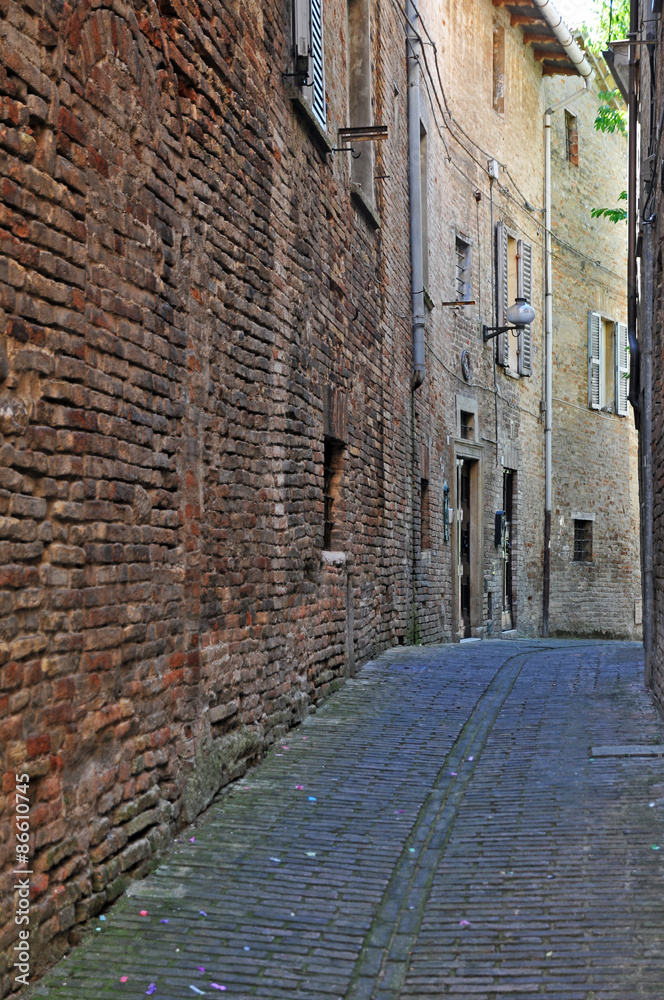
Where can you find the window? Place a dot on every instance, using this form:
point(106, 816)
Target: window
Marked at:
point(467, 425)
point(514, 278)
point(608, 365)
point(359, 90)
point(425, 515)
point(571, 139)
point(309, 54)
point(462, 269)
point(499, 69)
point(583, 541)
point(333, 460)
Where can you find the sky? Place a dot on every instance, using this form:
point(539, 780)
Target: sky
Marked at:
point(575, 12)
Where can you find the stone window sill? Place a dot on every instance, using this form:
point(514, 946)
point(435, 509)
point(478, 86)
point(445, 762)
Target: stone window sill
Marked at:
point(316, 131)
point(364, 206)
point(334, 558)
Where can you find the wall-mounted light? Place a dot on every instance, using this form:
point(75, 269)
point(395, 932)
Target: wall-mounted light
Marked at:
point(519, 315)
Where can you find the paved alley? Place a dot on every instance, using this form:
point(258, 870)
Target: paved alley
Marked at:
point(440, 828)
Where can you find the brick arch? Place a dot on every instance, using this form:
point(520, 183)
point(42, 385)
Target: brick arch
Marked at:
point(93, 35)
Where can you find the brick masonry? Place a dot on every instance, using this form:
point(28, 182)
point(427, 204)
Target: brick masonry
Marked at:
point(651, 316)
point(191, 300)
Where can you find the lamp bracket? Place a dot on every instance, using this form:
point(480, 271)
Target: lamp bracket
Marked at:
point(489, 332)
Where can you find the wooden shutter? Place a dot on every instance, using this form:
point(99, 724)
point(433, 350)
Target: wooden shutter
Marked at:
point(595, 374)
point(317, 62)
point(502, 340)
point(622, 369)
point(525, 290)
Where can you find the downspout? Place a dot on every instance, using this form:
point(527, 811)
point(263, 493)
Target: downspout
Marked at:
point(415, 190)
point(645, 441)
point(585, 70)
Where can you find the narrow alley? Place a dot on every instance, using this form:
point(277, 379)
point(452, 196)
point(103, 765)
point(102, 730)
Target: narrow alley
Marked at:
point(479, 820)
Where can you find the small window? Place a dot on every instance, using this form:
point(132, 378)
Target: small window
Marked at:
point(332, 493)
point(571, 139)
point(309, 55)
point(425, 514)
point(467, 425)
point(583, 541)
point(462, 270)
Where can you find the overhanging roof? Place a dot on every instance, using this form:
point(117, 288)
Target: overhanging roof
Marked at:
point(537, 33)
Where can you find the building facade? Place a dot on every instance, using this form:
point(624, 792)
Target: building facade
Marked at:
point(643, 82)
point(242, 448)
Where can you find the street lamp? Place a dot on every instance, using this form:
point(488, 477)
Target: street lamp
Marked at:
point(519, 314)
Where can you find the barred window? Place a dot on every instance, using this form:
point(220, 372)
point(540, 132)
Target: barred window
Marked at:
point(583, 541)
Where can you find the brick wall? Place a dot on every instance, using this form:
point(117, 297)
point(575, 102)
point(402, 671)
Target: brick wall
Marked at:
point(595, 465)
point(192, 301)
point(183, 279)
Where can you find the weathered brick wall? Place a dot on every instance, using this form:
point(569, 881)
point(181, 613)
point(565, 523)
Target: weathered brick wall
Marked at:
point(183, 277)
point(650, 199)
point(595, 466)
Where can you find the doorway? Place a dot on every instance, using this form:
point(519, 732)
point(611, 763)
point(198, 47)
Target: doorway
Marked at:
point(508, 616)
point(464, 536)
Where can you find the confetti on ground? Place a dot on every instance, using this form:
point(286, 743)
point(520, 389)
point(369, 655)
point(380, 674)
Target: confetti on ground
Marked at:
point(471, 758)
point(652, 805)
point(453, 773)
point(300, 788)
point(216, 986)
point(464, 923)
point(97, 928)
point(164, 920)
point(285, 748)
point(312, 798)
point(191, 840)
point(123, 979)
point(196, 990)
point(278, 860)
point(144, 913)
point(150, 990)
point(200, 968)
point(412, 850)
point(655, 847)
point(398, 810)
point(549, 954)
point(102, 918)
point(311, 854)
point(247, 948)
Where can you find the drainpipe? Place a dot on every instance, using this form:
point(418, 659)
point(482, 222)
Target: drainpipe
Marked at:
point(585, 70)
point(415, 189)
point(645, 441)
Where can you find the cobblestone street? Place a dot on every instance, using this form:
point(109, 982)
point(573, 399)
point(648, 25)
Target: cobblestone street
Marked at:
point(440, 827)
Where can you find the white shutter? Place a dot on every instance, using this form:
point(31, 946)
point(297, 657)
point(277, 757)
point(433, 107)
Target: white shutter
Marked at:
point(595, 374)
point(622, 369)
point(502, 346)
point(317, 62)
point(302, 35)
point(525, 290)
